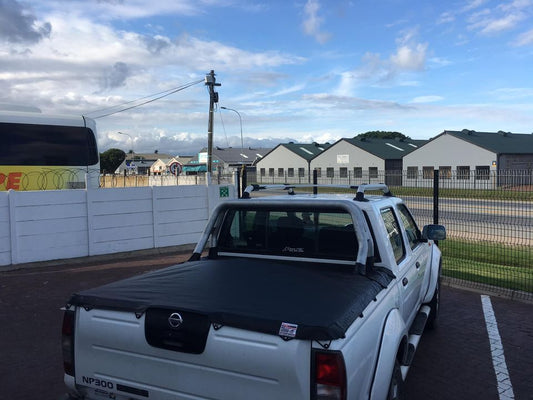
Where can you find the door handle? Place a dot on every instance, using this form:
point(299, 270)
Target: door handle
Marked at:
point(417, 265)
point(405, 281)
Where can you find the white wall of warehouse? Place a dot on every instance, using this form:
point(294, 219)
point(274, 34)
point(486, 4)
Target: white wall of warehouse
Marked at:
point(50, 225)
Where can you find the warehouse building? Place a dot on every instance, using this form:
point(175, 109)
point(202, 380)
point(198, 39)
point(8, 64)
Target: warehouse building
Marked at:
point(477, 159)
point(365, 160)
point(288, 163)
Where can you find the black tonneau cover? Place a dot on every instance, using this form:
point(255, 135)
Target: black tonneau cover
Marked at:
point(254, 294)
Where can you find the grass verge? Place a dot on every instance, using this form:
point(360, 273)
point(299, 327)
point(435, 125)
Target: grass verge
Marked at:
point(509, 267)
point(486, 194)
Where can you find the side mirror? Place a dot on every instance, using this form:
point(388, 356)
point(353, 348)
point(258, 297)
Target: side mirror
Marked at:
point(434, 232)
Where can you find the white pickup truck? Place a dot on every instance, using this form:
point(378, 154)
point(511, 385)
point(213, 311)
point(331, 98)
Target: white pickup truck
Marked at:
point(300, 296)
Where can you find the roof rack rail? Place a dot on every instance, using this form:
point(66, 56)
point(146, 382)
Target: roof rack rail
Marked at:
point(360, 195)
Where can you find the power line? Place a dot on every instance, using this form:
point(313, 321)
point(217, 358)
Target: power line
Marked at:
point(133, 101)
point(223, 127)
point(166, 93)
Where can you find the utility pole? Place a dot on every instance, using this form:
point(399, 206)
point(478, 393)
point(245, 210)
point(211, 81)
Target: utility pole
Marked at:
point(210, 81)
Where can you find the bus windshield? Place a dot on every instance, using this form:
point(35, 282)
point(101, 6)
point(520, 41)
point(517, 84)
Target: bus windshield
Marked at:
point(42, 156)
point(47, 145)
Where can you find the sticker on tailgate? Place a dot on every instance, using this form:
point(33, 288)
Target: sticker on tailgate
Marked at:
point(288, 330)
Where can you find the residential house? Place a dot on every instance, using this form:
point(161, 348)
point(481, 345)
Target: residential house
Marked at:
point(173, 165)
point(139, 163)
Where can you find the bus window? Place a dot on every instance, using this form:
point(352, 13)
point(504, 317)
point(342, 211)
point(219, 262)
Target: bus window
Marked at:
point(37, 153)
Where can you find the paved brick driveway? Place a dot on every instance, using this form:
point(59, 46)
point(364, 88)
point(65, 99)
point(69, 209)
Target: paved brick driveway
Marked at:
point(453, 362)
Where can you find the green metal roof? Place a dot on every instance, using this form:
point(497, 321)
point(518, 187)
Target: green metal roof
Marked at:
point(386, 149)
point(498, 142)
point(195, 168)
point(306, 150)
point(237, 155)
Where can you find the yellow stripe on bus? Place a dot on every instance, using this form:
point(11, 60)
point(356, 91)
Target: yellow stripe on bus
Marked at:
point(21, 177)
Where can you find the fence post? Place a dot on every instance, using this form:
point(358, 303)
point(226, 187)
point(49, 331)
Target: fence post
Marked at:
point(242, 181)
point(436, 196)
point(315, 181)
point(12, 197)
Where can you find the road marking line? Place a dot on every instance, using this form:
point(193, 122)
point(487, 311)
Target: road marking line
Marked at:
point(505, 388)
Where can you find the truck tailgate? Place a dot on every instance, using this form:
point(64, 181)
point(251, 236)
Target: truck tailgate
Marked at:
point(113, 357)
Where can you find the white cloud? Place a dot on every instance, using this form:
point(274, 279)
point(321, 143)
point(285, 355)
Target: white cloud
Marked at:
point(312, 22)
point(292, 89)
point(88, 58)
point(473, 4)
point(446, 17)
point(504, 17)
point(106, 10)
point(489, 20)
point(199, 53)
point(501, 24)
point(440, 62)
point(514, 94)
point(427, 99)
point(409, 55)
point(323, 137)
point(524, 39)
point(353, 103)
point(410, 58)
point(516, 5)
point(450, 16)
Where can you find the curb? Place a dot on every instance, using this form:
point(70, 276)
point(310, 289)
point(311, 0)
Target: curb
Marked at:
point(483, 288)
point(82, 261)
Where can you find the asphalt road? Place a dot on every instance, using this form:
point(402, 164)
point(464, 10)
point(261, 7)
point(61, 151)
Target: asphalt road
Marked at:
point(507, 222)
point(453, 362)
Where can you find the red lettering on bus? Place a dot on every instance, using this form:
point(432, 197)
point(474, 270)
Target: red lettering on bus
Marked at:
point(13, 180)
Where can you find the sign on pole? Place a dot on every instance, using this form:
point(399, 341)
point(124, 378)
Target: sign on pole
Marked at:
point(175, 168)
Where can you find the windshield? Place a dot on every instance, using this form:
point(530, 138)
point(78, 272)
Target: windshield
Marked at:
point(47, 145)
point(294, 233)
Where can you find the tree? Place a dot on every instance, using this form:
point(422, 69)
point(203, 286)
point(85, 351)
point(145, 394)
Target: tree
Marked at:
point(110, 160)
point(381, 135)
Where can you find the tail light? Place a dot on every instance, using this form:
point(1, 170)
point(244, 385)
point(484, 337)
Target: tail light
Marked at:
point(328, 378)
point(67, 341)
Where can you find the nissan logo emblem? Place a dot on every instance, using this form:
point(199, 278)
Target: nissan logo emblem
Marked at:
point(175, 320)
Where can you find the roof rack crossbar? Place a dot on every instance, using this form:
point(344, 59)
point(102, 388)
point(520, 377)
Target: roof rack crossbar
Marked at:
point(360, 196)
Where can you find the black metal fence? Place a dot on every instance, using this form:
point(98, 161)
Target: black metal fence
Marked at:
point(488, 218)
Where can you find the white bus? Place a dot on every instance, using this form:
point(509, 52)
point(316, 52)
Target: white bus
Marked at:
point(43, 152)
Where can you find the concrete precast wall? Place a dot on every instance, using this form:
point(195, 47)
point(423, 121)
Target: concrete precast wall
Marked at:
point(50, 225)
point(5, 230)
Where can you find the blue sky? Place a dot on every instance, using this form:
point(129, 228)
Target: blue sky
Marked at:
point(309, 70)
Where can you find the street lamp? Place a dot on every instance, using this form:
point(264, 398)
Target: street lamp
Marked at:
point(240, 120)
point(132, 152)
point(243, 170)
point(131, 139)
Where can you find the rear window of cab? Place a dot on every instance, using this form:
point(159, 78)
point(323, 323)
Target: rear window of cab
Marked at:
point(325, 234)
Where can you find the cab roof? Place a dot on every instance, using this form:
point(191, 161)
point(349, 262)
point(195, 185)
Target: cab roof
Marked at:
point(359, 196)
